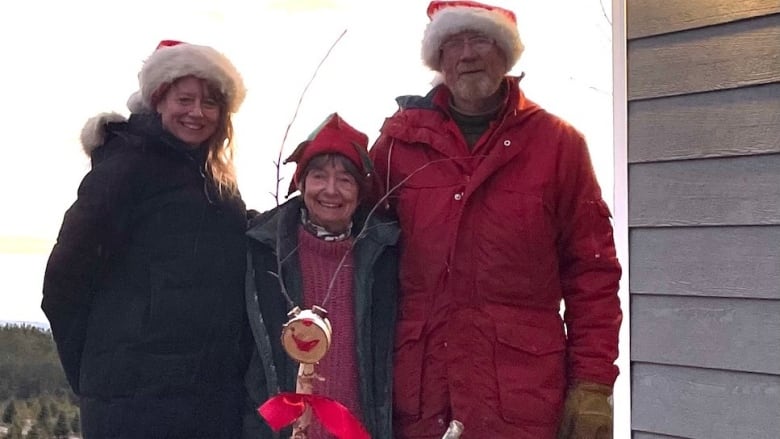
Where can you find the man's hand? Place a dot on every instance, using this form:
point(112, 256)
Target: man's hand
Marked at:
point(587, 413)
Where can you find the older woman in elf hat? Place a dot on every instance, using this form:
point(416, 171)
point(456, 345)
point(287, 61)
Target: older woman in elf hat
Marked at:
point(144, 287)
point(505, 222)
point(327, 251)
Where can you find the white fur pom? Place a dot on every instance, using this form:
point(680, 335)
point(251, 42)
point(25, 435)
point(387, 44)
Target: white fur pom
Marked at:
point(135, 103)
point(94, 132)
point(438, 78)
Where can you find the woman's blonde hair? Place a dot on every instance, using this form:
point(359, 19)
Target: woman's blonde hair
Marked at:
point(219, 158)
point(221, 150)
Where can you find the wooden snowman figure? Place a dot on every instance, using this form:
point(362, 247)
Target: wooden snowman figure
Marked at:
point(306, 338)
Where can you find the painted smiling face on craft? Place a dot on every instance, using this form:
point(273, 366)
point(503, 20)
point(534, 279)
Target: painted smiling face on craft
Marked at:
point(190, 111)
point(331, 194)
point(306, 337)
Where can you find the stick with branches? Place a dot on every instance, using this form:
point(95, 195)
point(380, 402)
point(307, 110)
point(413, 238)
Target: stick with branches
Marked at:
point(304, 386)
point(278, 164)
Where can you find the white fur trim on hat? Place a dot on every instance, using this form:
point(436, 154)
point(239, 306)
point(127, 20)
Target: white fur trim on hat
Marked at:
point(94, 132)
point(454, 19)
point(169, 63)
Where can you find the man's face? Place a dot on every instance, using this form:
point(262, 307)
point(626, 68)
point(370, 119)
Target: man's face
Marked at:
point(473, 66)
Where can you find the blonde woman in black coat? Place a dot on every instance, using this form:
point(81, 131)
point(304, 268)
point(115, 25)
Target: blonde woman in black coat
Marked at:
point(144, 287)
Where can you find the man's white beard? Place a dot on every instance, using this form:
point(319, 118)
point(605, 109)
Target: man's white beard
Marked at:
point(475, 87)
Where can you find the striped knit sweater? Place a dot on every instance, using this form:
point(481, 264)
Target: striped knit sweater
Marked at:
point(319, 260)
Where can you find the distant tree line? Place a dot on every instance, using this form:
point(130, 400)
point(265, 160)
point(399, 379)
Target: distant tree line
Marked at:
point(35, 399)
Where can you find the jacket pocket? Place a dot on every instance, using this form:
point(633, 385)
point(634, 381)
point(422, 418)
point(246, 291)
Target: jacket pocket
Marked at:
point(514, 248)
point(594, 229)
point(407, 381)
point(602, 225)
point(530, 368)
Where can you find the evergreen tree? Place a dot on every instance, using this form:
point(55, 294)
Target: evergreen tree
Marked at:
point(75, 423)
point(54, 409)
point(34, 432)
point(61, 428)
point(45, 411)
point(15, 432)
point(9, 413)
point(44, 417)
point(31, 378)
point(29, 366)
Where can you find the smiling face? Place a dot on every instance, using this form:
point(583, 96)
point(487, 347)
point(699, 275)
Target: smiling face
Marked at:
point(473, 67)
point(306, 337)
point(330, 192)
point(190, 111)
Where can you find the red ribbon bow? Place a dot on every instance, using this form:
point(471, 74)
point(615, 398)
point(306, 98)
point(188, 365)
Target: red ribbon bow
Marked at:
point(284, 408)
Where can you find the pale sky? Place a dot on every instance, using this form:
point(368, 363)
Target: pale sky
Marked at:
point(67, 61)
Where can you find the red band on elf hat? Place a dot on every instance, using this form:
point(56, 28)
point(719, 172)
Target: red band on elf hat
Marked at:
point(333, 136)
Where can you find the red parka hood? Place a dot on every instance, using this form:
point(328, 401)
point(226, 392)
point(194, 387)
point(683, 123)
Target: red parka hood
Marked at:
point(407, 125)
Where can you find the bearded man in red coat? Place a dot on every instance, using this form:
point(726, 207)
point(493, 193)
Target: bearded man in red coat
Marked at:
point(502, 219)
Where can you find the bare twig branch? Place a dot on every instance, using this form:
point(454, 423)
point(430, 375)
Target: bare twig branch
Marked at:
point(371, 213)
point(591, 87)
point(279, 260)
point(604, 12)
point(376, 226)
point(278, 163)
point(295, 114)
point(292, 252)
point(289, 301)
point(412, 174)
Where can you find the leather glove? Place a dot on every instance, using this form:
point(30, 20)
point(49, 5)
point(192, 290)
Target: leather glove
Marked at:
point(587, 413)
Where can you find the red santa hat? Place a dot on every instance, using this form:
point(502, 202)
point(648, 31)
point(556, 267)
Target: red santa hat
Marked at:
point(172, 60)
point(452, 17)
point(333, 136)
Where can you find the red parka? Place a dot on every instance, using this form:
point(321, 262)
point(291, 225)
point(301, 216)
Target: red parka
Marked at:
point(492, 239)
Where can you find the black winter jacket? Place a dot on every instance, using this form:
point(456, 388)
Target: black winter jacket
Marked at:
point(376, 289)
point(144, 287)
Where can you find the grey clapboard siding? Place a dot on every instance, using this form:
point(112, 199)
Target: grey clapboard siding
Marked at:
point(737, 191)
point(734, 122)
point(704, 403)
point(716, 333)
point(653, 17)
point(704, 218)
point(738, 262)
point(643, 435)
point(714, 58)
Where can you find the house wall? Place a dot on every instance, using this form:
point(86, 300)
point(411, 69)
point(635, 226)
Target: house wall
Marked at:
point(704, 217)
